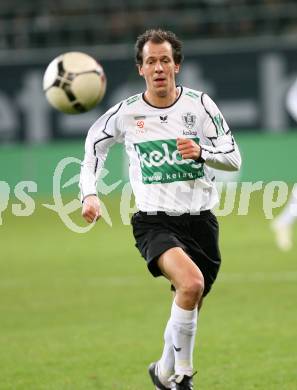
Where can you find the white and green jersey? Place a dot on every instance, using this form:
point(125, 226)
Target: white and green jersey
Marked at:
point(161, 180)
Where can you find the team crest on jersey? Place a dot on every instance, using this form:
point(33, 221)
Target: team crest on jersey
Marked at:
point(189, 120)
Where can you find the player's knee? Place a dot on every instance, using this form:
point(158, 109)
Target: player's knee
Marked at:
point(197, 286)
point(193, 287)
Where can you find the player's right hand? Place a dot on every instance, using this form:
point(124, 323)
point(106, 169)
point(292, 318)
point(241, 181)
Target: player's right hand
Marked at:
point(91, 210)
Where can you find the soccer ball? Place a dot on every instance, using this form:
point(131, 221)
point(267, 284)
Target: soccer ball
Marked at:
point(74, 82)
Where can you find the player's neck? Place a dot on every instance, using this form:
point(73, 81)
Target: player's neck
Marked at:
point(162, 101)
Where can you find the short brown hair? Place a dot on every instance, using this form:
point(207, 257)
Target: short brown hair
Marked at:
point(158, 36)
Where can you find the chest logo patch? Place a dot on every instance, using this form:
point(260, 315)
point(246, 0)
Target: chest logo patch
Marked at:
point(161, 162)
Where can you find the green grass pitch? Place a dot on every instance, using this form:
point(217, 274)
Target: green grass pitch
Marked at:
point(82, 312)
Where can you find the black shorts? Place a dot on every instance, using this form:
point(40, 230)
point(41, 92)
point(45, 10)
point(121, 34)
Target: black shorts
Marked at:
point(197, 235)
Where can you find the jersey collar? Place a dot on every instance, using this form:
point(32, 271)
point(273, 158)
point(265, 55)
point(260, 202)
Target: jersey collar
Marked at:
point(162, 108)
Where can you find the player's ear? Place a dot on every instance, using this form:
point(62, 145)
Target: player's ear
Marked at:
point(140, 72)
point(176, 68)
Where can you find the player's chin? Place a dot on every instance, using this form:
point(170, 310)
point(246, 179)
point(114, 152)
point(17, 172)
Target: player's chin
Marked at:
point(161, 92)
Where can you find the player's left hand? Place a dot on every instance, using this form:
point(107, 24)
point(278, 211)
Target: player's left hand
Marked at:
point(188, 148)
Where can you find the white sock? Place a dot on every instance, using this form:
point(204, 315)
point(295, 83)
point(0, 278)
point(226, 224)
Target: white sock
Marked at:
point(183, 331)
point(166, 363)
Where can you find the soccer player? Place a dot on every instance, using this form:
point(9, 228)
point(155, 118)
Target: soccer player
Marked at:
point(284, 222)
point(173, 136)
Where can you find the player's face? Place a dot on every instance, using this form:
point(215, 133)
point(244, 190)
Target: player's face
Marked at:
point(158, 69)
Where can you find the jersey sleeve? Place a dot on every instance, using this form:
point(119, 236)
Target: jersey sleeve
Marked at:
point(219, 150)
point(291, 101)
point(105, 132)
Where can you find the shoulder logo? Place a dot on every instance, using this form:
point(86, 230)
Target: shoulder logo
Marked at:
point(132, 99)
point(218, 120)
point(164, 118)
point(192, 94)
